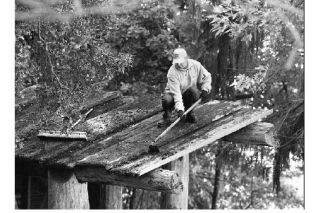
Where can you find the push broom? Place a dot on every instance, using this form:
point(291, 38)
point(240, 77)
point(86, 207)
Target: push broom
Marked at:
point(68, 134)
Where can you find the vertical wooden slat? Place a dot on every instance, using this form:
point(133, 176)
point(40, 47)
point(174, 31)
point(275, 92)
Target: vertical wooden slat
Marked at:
point(29, 192)
point(16, 204)
point(177, 200)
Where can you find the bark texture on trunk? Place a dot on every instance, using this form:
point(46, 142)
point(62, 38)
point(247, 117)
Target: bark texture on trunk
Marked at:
point(216, 184)
point(65, 192)
point(112, 197)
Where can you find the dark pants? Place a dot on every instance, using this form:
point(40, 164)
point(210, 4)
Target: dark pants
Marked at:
point(189, 97)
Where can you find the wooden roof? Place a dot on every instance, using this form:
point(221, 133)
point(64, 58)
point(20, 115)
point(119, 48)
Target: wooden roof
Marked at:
point(120, 130)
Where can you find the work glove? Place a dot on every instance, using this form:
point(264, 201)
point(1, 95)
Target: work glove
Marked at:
point(205, 96)
point(180, 115)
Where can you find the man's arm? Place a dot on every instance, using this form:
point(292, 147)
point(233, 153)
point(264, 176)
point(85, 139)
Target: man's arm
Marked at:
point(204, 79)
point(174, 88)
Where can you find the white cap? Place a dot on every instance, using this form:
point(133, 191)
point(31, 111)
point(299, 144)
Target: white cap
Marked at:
point(179, 55)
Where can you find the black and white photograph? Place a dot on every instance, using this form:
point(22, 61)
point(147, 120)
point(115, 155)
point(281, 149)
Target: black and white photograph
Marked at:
point(158, 104)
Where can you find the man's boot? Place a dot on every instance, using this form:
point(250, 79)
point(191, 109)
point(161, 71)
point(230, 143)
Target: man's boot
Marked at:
point(191, 118)
point(166, 121)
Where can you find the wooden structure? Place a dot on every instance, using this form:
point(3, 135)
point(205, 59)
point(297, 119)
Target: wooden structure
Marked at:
point(120, 130)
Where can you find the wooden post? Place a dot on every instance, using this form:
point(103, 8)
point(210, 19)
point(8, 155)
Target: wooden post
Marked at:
point(65, 192)
point(177, 200)
point(111, 197)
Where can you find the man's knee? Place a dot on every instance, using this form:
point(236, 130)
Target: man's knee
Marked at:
point(192, 94)
point(167, 101)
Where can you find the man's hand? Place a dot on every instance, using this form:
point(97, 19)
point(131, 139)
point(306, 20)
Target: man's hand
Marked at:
point(205, 96)
point(180, 114)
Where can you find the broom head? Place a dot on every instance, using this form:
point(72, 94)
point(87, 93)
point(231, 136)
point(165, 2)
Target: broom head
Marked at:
point(74, 135)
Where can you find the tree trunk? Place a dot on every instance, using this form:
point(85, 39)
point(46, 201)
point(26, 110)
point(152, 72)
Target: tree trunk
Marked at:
point(217, 174)
point(277, 171)
point(216, 183)
point(222, 71)
point(65, 192)
point(179, 200)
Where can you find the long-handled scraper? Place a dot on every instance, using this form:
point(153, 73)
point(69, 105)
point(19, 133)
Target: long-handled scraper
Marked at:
point(155, 149)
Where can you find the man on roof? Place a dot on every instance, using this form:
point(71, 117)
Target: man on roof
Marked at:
point(188, 80)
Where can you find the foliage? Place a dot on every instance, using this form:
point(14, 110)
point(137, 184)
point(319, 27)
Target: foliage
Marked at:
point(145, 33)
point(246, 182)
point(238, 21)
point(67, 10)
point(67, 59)
point(250, 84)
point(272, 30)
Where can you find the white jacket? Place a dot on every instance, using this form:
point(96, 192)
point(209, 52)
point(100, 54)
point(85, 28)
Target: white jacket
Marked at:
point(181, 80)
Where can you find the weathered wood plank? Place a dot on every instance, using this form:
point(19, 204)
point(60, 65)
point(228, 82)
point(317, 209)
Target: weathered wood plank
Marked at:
point(157, 180)
point(66, 154)
point(28, 123)
point(48, 151)
point(94, 102)
point(134, 111)
point(133, 142)
point(122, 146)
point(259, 133)
point(39, 150)
point(192, 141)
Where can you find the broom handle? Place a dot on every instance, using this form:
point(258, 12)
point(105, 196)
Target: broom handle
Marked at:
point(81, 118)
point(174, 123)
